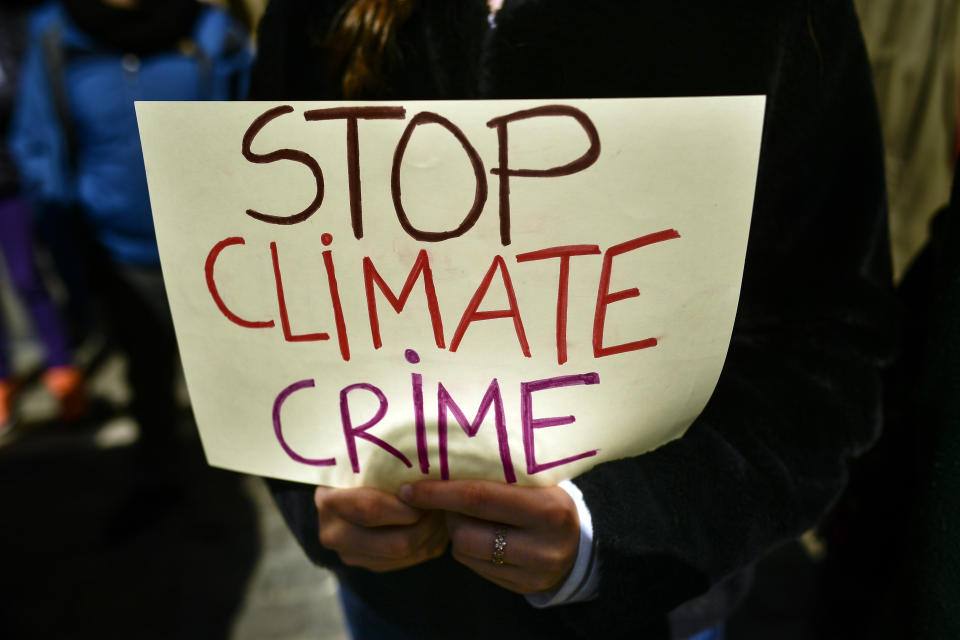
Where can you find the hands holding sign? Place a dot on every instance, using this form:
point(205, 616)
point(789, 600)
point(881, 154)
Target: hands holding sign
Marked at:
point(373, 529)
point(382, 532)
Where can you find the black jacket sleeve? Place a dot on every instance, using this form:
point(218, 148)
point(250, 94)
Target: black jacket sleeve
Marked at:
point(800, 390)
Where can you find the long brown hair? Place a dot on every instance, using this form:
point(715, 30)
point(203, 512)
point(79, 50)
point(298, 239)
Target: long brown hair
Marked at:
point(363, 33)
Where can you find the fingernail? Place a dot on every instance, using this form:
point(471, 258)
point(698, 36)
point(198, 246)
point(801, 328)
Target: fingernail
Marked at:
point(405, 493)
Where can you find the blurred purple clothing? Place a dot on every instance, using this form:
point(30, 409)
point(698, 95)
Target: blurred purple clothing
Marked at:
point(16, 245)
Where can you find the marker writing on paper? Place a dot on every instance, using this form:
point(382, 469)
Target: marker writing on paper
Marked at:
point(446, 407)
point(275, 315)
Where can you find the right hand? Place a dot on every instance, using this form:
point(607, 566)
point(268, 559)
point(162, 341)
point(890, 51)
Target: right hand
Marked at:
point(375, 530)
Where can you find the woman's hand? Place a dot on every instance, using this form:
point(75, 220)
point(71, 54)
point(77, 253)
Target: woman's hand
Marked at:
point(373, 529)
point(539, 526)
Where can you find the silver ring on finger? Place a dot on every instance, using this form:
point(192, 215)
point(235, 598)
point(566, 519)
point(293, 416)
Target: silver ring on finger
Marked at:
point(499, 545)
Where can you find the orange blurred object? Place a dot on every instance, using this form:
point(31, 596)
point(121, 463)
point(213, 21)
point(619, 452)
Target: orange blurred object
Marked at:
point(66, 383)
point(7, 393)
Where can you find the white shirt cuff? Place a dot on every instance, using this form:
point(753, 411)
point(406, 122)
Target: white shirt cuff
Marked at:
point(584, 579)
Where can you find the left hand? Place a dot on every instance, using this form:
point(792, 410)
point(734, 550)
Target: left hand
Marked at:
point(542, 529)
point(372, 529)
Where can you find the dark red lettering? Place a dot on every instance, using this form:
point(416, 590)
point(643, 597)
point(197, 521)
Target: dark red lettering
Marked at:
point(281, 154)
point(480, 195)
point(352, 115)
point(505, 172)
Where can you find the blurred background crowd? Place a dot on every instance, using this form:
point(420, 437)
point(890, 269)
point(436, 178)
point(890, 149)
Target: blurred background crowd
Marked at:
point(112, 524)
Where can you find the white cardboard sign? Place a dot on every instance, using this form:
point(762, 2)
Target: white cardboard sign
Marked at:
point(372, 293)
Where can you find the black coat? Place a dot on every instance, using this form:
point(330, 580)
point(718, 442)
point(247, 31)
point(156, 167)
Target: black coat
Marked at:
point(800, 389)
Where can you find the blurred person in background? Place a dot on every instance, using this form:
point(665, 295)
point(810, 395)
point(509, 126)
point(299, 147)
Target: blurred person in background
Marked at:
point(914, 50)
point(64, 380)
point(926, 591)
point(74, 135)
point(892, 555)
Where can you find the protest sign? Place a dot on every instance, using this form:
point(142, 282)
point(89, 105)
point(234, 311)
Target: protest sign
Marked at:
point(371, 293)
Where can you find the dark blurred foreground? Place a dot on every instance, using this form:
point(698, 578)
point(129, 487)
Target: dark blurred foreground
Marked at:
point(92, 547)
point(95, 543)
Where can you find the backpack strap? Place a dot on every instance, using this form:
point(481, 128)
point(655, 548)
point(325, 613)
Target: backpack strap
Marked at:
point(205, 66)
point(54, 61)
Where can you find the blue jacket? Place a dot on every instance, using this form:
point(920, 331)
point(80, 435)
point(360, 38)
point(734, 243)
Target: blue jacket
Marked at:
point(102, 169)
